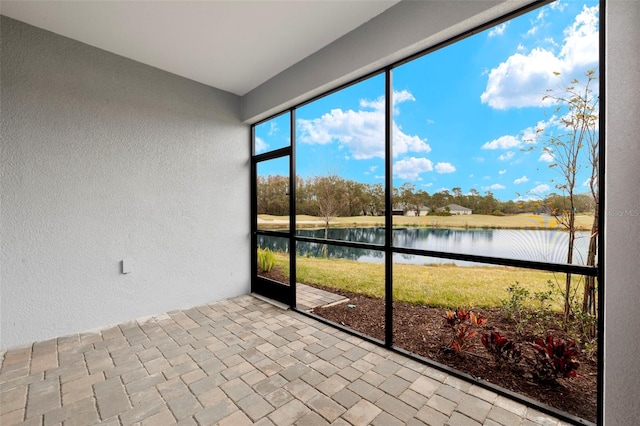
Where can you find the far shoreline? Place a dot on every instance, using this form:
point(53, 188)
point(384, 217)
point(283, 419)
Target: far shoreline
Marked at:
point(473, 221)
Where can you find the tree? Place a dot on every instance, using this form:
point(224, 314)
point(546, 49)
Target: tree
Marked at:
point(579, 132)
point(407, 197)
point(374, 196)
point(593, 145)
point(475, 196)
point(273, 196)
point(488, 204)
point(329, 193)
point(303, 197)
point(457, 193)
point(440, 199)
point(422, 199)
point(354, 196)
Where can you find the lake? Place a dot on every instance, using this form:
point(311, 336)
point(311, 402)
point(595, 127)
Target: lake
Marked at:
point(524, 244)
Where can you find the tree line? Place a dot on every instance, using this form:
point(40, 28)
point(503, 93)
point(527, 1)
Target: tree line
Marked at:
point(335, 196)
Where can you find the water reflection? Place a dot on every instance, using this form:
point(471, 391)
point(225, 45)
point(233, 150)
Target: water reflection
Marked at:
point(535, 245)
point(374, 235)
point(339, 252)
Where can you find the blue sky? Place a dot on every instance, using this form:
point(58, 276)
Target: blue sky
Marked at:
point(464, 116)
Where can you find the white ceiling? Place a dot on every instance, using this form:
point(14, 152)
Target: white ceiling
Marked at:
point(232, 45)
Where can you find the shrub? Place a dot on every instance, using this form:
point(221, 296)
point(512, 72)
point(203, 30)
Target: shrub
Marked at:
point(527, 310)
point(462, 324)
point(266, 260)
point(503, 350)
point(515, 304)
point(554, 358)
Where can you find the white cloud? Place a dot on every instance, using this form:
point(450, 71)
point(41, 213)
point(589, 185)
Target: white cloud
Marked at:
point(547, 157)
point(379, 104)
point(540, 189)
point(537, 23)
point(445, 168)
point(506, 156)
point(522, 79)
point(479, 159)
point(362, 132)
point(428, 185)
point(503, 142)
point(411, 167)
point(402, 96)
point(498, 30)
point(527, 198)
point(501, 172)
point(541, 15)
point(523, 179)
point(403, 143)
point(558, 5)
point(580, 49)
point(261, 145)
point(495, 186)
point(530, 135)
point(273, 128)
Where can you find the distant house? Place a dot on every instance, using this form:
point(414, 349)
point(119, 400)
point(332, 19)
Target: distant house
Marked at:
point(424, 210)
point(399, 209)
point(455, 209)
point(396, 211)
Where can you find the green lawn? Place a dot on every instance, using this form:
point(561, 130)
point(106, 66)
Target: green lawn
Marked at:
point(519, 221)
point(435, 285)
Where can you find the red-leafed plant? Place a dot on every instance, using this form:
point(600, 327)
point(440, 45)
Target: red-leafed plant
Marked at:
point(503, 350)
point(462, 324)
point(554, 358)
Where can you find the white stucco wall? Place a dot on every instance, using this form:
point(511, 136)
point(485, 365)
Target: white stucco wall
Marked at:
point(622, 214)
point(105, 159)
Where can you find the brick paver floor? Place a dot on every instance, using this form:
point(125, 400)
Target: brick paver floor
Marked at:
point(236, 362)
point(308, 297)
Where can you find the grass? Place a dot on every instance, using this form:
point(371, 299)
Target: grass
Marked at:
point(447, 286)
point(520, 221)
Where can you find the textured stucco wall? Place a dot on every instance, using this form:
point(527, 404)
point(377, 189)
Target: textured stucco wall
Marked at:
point(622, 214)
point(105, 159)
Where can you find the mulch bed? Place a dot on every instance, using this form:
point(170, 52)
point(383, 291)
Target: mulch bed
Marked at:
point(422, 331)
point(274, 274)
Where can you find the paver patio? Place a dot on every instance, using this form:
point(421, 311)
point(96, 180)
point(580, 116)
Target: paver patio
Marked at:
point(236, 362)
point(308, 297)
